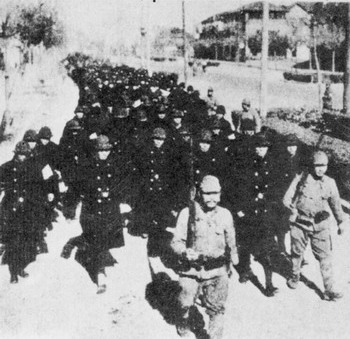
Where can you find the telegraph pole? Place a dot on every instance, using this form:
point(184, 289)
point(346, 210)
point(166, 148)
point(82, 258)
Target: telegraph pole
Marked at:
point(184, 41)
point(264, 59)
point(143, 34)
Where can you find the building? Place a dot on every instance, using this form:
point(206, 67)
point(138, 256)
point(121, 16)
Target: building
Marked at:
point(229, 34)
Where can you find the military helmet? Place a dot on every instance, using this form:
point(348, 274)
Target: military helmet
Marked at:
point(210, 184)
point(73, 125)
point(319, 158)
point(176, 113)
point(260, 140)
point(246, 101)
point(22, 148)
point(30, 136)
point(45, 133)
point(102, 143)
point(159, 133)
point(184, 130)
point(292, 140)
point(220, 110)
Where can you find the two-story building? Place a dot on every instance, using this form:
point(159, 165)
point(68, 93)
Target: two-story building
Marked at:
point(228, 33)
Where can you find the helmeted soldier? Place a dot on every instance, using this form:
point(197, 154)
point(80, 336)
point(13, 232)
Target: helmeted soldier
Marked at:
point(100, 218)
point(206, 159)
point(74, 149)
point(288, 164)
point(210, 99)
point(204, 241)
point(30, 136)
point(21, 210)
point(309, 197)
point(156, 173)
point(252, 207)
point(248, 114)
point(48, 153)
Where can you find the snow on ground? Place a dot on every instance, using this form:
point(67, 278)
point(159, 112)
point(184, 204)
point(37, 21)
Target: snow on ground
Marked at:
point(58, 300)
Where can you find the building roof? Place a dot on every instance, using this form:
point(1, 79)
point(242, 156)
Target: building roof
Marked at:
point(254, 7)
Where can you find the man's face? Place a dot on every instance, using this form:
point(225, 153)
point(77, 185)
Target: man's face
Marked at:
point(204, 146)
point(44, 141)
point(32, 144)
point(249, 132)
point(320, 170)
point(292, 150)
point(245, 107)
point(21, 157)
point(261, 151)
point(158, 142)
point(79, 115)
point(186, 138)
point(216, 131)
point(103, 155)
point(177, 121)
point(210, 199)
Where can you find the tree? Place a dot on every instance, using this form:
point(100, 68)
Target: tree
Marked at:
point(32, 24)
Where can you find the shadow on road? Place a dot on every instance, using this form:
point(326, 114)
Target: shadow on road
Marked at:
point(162, 295)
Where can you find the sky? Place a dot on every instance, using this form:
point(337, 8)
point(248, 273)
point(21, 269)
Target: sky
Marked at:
point(121, 19)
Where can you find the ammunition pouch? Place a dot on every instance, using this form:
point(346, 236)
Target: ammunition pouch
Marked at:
point(202, 262)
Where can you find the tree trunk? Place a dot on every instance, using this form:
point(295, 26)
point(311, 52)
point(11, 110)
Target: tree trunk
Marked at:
point(346, 96)
point(319, 76)
point(5, 115)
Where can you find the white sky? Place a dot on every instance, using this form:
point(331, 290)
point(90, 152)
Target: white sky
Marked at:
point(121, 19)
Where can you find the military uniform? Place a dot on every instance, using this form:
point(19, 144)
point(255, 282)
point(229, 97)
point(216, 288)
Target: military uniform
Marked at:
point(156, 175)
point(100, 217)
point(253, 208)
point(21, 210)
point(211, 234)
point(309, 197)
point(74, 149)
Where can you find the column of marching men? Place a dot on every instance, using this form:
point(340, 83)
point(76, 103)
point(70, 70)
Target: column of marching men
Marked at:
point(152, 144)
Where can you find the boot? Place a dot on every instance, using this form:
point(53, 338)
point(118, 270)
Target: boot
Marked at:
point(183, 329)
point(270, 290)
point(246, 276)
point(332, 295)
point(293, 282)
point(22, 273)
point(14, 279)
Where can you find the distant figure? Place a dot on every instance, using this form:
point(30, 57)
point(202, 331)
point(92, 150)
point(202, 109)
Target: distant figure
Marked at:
point(328, 98)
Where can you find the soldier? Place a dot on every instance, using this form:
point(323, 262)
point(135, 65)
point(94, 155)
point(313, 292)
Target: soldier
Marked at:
point(156, 175)
point(21, 210)
point(48, 154)
point(206, 159)
point(74, 150)
point(30, 136)
point(288, 165)
point(175, 126)
point(309, 197)
point(248, 114)
point(253, 208)
point(100, 218)
point(204, 241)
point(210, 100)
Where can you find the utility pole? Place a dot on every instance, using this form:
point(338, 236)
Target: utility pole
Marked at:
point(148, 41)
point(143, 34)
point(184, 41)
point(264, 59)
point(346, 96)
